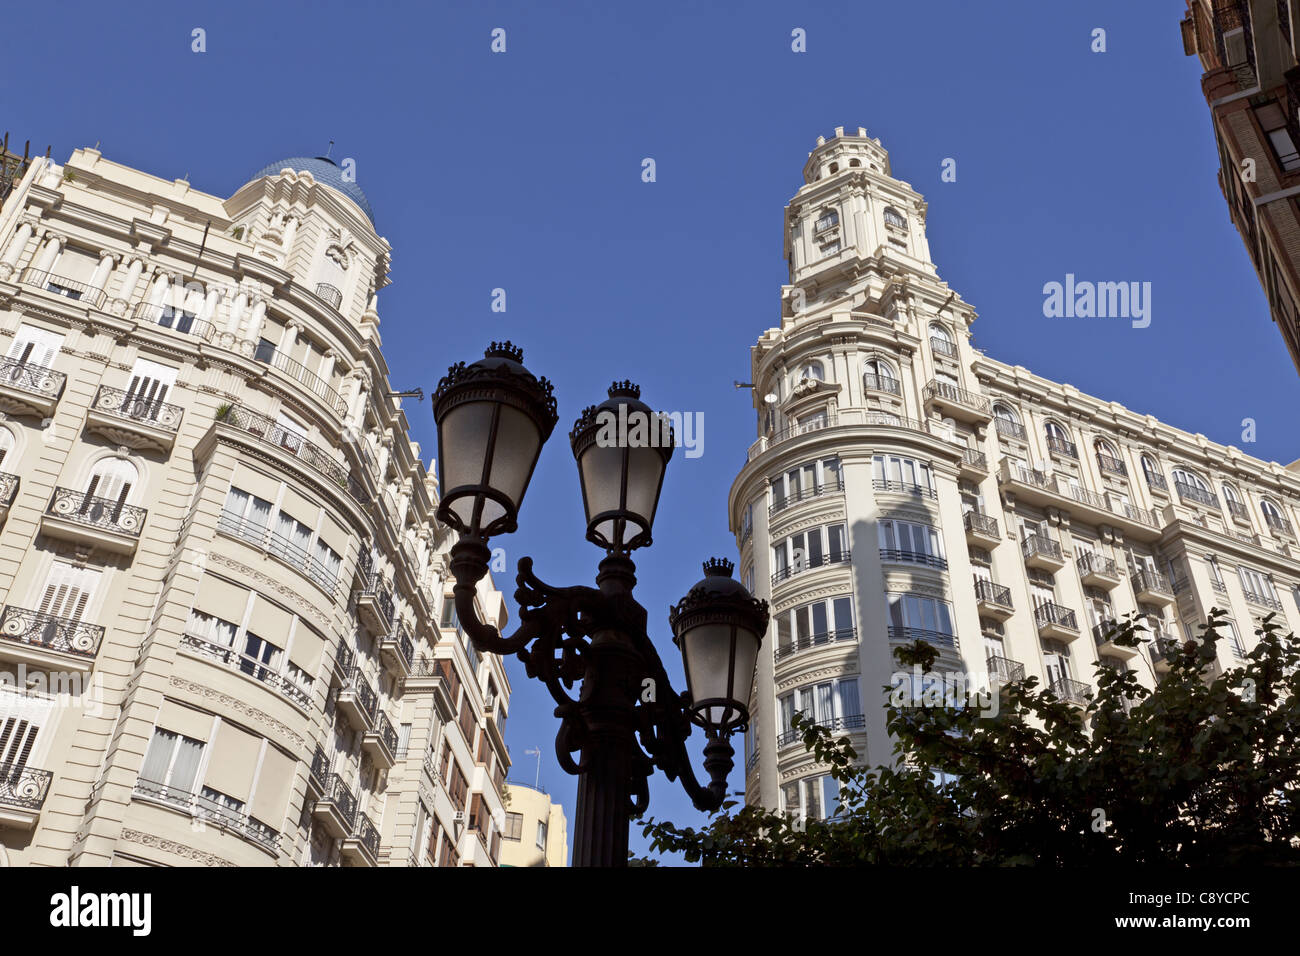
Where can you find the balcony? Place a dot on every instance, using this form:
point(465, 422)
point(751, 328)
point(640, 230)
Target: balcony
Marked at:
point(22, 794)
point(101, 522)
point(993, 600)
point(1152, 587)
point(957, 403)
point(1104, 632)
point(1261, 600)
point(1062, 448)
point(1098, 571)
point(1042, 552)
point(336, 810)
point(1071, 691)
point(1279, 525)
point(835, 557)
point(1111, 466)
point(1003, 670)
point(374, 605)
point(1238, 511)
point(426, 678)
point(210, 812)
point(329, 295)
point(320, 770)
point(65, 287)
point(48, 642)
point(282, 547)
point(1056, 622)
point(27, 389)
point(902, 556)
point(1009, 429)
point(361, 846)
point(903, 488)
point(1198, 496)
point(1156, 482)
point(974, 464)
point(254, 668)
point(804, 494)
point(357, 701)
point(852, 722)
point(8, 492)
point(981, 529)
point(908, 635)
point(881, 383)
point(397, 651)
point(380, 741)
point(313, 457)
point(128, 419)
point(304, 377)
point(942, 347)
point(805, 642)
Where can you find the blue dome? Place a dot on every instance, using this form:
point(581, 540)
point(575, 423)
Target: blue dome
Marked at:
point(323, 171)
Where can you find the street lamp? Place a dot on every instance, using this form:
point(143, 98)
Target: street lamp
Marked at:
point(493, 417)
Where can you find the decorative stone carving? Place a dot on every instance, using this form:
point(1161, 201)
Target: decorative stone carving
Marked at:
point(174, 848)
point(238, 706)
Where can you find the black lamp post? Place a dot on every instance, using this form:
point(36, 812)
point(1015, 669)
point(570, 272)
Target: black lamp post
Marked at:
point(493, 418)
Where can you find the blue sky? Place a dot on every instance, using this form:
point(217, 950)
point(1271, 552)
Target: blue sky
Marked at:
point(522, 171)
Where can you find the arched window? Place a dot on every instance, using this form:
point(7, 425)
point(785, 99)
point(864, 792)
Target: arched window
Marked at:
point(1155, 478)
point(879, 377)
point(827, 218)
point(1233, 501)
point(1007, 422)
point(854, 163)
point(1006, 413)
point(941, 341)
point(1108, 459)
point(113, 479)
point(835, 167)
point(810, 370)
point(1274, 517)
point(894, 218)
point(1192, 487)
point(1058, 440)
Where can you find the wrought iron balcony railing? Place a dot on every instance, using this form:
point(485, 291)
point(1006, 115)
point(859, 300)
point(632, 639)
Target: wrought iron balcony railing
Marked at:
point(178, 320)
point(1038, 544)
point(329, 294)
point(61, 285)
point(976, 459)
point(365, 694)
point(367, 834)
point(1071, 691)
point(881, 383)
point(851, 722)
point(981, 523)
point(751, 762)
point(1278, 524)
point(384, 728)
point(1004, 670)
point(304, 377)
point(8, 488)
point(807, 641)
point(992, 593)
point(211, 811)
point(937, 638)
point(1009, 429)
point(1085, 497)
point(960, 396)
point(374, 586)
point(942, 347)
point(1263, 600)
point(793, 431)
point(903, 487)
point(33, 379)
point(309, 453)
point(1050, 613)
point(52, 633)
point(251, 666)
point(835, 557)
point(1237, 509)
point(120, 403)
point(1191, 493)
point(901, 556)
point(1090, 562)
point(94, 512)
point(805, 494)
point(337, 793)
point(320, 765)
point(1111, 465)
point(1157, 481)
point(280, 546)
point(1060, 446)
point(877, 417)
point(23, 787)
point(1151, 581)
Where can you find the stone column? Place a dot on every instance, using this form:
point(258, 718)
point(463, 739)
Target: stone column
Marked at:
point(44, 260)
point(256, 317)
point(132, 279)
point(237, 309)
point(15, 250)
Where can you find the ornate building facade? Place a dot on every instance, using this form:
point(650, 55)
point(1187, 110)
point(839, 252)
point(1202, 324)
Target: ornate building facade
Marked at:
point(906, 486)
point(1251, 82)
point(224, 637)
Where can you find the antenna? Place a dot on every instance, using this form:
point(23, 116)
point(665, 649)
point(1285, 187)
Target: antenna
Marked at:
point(537, 776)
point(331, 149)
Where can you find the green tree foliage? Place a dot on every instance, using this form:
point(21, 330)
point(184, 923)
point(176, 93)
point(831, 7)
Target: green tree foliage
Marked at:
point(1201, 772)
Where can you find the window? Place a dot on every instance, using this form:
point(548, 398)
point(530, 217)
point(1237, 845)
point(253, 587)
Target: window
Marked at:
point(172, 761)
point(828, 218)
point(1155, 478)
point(805, 481)
point(34, 346)
point(1273, 516)
point(148, 389)
point(911, 542)
point(6, 444)
point(1007, 422)
point(17, 738)
point(812, 797)
point(1058, 440)
point(878, 376)
point(514, 827)
point(111, 481)
point(809, 549)
point(1272, 120)
point(541, 835)
point(1216, 577)
point(810, 371)
point(915, 612)
point(245, 514)
point(1258, 587)
point(265, 351)
point(832, 704)
point(894, 218)
point(449, 619)
point(68, 591)
point(941, 341)
point(895, 473)
point(811, 625)
point(1056, 661)
point(212, 629)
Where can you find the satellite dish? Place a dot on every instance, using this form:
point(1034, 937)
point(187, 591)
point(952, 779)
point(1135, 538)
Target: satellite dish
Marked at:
point(770, 398)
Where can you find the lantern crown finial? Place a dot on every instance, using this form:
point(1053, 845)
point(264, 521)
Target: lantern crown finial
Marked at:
point(506, 350)
point(718, 567)
point(624, 389)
